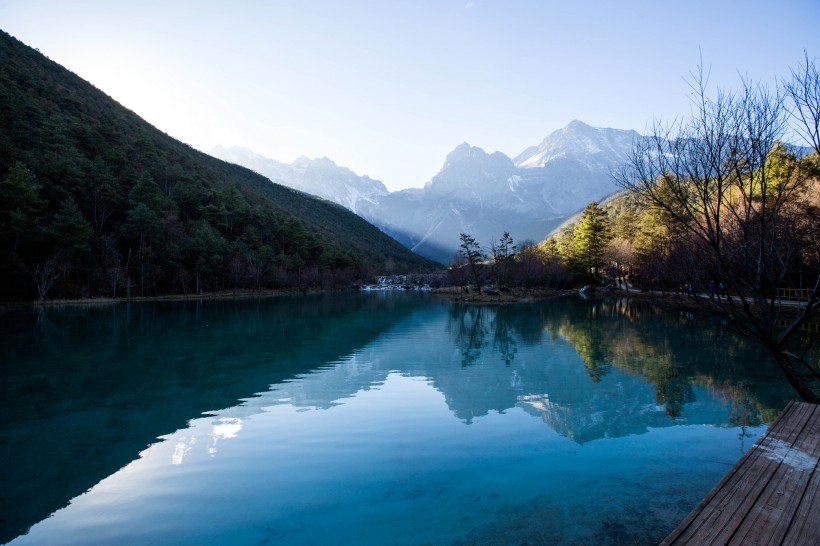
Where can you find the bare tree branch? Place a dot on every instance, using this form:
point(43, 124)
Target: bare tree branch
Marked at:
point(725, 178)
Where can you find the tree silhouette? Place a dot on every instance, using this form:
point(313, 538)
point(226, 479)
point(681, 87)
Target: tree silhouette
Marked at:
point(474, 256)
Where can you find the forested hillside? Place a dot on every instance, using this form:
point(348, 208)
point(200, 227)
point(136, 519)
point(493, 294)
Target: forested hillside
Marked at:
point(627, 237)
point(94, 201)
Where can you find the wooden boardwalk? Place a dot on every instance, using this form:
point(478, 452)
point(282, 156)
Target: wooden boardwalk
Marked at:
point(772, 494)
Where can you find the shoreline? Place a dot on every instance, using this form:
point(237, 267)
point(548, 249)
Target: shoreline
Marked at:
point(221, 295)
point(666, 300)
point(452, 293)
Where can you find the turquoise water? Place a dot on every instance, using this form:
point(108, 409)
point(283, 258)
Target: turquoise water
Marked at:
point(369, 419)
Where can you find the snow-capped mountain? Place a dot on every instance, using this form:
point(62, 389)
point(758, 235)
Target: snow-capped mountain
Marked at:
point(320, 177)
point(577, 141)
point(487, 194)
point(474, 192)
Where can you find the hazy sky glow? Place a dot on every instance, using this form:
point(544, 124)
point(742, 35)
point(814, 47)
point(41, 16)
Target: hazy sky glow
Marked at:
point(388, 88)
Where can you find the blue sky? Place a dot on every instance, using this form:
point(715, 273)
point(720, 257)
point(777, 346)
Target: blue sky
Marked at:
point(388, 88)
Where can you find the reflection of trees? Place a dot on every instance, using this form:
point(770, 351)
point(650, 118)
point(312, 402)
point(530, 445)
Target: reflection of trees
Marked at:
point(673, 388)
point(673, 352)
point(471, 325)
point(592, 329)
point(745, 413)
point(587, 338)
point(610, 337)
point(659, 360)
point(42, 326)
point(469, 331)
point(504, 335)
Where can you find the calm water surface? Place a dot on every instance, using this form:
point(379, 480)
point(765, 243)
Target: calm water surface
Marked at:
point(369, 419)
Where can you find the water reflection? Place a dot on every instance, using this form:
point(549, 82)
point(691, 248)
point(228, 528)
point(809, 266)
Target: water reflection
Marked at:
point(469, 331)
point(673, 352)
point(85, 389)
point(105, 383)
point(222, 428)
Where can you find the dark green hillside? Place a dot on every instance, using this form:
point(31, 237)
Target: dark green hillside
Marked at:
point(94, 201)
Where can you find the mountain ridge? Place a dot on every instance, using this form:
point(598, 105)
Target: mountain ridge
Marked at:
point(577, 139)
point(321, 177)
point(485, 193)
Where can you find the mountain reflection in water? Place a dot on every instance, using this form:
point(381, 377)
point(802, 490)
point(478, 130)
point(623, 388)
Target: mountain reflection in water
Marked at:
point(86, 390)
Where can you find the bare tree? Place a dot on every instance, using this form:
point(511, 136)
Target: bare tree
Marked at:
point(803, 92)
point(619, 255)
point(257, 268)
point(46, 273)
point(529, 268)
point(724, 177)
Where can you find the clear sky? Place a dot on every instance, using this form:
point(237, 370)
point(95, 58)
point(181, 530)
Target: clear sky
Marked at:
point(388, 88)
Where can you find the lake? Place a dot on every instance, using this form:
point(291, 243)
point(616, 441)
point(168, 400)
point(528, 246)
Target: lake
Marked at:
point(377, 418)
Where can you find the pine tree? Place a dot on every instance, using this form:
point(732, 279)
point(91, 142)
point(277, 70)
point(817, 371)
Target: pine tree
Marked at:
point(20, 207)
point(70, 232)
point(590, 237)
point(472, 252)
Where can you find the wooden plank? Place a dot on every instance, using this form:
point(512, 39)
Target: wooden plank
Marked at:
point(768, 521)
point(729, 502)
point(805, 527)
point(760, 498)
point(688, 523)
point(753, 479)
point(731, 475)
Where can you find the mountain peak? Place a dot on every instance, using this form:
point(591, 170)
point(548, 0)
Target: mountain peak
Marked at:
point(462, 152)
point(325, 162)
point(577, 124)
point(579, 139)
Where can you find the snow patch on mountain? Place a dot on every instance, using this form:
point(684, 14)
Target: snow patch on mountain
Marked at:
point(513, 182)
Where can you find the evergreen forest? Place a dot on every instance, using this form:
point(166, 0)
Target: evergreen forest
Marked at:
point(96, 202)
